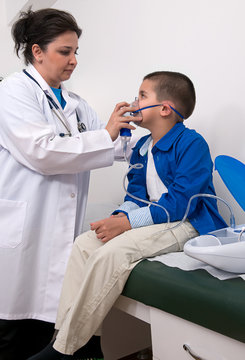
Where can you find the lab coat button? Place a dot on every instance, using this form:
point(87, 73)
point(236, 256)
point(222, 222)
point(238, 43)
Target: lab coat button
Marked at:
point(73, 195)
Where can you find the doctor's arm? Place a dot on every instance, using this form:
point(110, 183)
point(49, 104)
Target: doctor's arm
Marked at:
point(33, 142)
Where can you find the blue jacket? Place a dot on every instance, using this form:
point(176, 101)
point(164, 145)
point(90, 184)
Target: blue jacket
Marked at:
point(183, 163)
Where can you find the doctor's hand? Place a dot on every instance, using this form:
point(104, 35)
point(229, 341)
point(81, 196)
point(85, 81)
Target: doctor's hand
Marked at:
point(109, 228)
point(117, 121)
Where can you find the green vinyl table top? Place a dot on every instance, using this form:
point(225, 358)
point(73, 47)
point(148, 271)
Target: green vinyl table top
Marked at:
point(195, 296)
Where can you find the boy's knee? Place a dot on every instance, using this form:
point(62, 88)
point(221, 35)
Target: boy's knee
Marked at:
point(106, 254)
point(80, 237)
point(86, 244)
point(84, 237)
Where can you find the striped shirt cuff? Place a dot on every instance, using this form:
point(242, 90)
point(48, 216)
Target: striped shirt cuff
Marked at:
point(126, 207)
point(140, 217)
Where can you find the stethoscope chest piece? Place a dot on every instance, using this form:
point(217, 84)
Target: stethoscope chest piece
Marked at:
point(81, 126)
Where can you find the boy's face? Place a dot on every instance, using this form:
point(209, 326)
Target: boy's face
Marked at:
point(147, 97)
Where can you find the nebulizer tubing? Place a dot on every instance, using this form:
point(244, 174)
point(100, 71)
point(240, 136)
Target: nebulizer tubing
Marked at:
point(240, 235)
point(232, 217)
point(139, 166)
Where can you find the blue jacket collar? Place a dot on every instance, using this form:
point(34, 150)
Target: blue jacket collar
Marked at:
point(164, 143)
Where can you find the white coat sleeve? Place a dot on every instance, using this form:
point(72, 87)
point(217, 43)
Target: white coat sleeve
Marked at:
point(31, 140)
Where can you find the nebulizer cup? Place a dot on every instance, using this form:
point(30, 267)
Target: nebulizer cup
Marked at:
point(125, 134)
point(135, 104)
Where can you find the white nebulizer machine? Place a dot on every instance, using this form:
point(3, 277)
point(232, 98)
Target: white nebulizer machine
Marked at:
point(224, 248)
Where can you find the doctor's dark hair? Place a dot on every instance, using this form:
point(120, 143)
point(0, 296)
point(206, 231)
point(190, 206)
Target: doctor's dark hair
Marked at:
point(176, 87)
point(41, 27)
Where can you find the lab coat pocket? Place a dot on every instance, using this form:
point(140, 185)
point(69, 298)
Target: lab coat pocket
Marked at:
point(12, 218)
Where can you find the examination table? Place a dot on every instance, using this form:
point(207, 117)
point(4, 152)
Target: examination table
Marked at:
point(191, 313)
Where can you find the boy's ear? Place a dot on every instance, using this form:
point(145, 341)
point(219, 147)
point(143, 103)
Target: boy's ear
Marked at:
point(165, 110)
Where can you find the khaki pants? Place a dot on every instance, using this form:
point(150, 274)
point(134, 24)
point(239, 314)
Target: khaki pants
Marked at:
point(97, 273)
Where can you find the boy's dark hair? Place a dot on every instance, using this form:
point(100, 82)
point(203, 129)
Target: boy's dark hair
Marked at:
point(41, 27)
point(174, 86)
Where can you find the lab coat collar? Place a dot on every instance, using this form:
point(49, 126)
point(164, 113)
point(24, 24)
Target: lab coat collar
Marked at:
point(165, 142)
point(37, 76)
point(71, 103)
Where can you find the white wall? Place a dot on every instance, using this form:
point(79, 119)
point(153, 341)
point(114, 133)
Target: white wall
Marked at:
point(8, 62)
point(13, 7)
point(125, 39)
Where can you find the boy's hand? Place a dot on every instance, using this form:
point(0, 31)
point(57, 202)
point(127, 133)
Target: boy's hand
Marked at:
point(109, 228)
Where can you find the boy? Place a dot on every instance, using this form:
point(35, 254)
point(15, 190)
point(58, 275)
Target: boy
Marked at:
point(177, 165)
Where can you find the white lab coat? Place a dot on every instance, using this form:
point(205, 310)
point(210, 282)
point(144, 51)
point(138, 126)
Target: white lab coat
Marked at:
point(43, 192)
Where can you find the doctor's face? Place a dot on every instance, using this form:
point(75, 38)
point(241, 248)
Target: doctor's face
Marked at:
point(57, 62)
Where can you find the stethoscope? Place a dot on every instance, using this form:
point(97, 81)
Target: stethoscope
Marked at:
point(58, 113)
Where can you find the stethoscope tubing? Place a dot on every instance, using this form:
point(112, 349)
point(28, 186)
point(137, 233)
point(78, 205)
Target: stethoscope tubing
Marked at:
point(57, 111)
point(63, 121)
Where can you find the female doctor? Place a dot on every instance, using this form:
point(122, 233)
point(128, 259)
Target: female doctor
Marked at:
point(49, 141)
